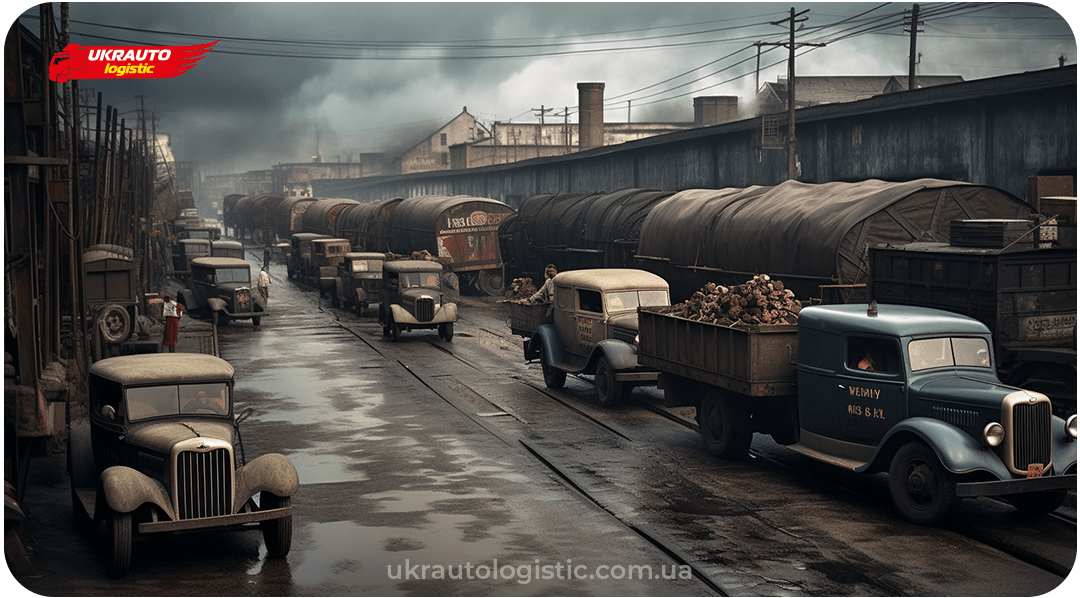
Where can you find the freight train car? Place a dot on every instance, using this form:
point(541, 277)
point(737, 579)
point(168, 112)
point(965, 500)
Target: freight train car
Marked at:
point(229, 213)
point(367, 225)
point(461, 229)
point(263, 210)
point(290, 216)
point(321, 216)
point(814, 237)
point(576, 231)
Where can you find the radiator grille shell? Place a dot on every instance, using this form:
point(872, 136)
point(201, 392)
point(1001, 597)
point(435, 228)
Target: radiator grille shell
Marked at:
point(1028, 441)
point(425, 309)
point(203, 479)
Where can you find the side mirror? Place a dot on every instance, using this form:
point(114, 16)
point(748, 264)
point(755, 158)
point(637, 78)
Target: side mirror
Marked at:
point(109, 412)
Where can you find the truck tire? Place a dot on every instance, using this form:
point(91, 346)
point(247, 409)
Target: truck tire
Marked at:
point(446, 331)
point(115, 323)
point(553, 377)
point(921, 488)
point(277, 533)
point(608, 391)
point(725, 426)
point(118, 528)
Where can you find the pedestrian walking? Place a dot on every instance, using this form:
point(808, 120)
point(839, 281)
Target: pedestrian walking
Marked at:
point(264, 285)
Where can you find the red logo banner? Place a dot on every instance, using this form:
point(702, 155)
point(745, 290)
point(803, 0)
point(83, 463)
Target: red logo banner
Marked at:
point(127, 62)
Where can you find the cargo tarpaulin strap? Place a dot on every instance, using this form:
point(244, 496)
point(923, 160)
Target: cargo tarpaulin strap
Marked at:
point(806, 234)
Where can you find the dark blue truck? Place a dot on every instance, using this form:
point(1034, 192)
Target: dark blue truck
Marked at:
point(906, 390)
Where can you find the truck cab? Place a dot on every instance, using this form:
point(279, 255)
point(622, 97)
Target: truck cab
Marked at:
point(594, 329)
point(298, 261)
point(359, 280)
point(159, 453)
point(413, 297)
point(326, 254)
point(914, 392)
point(220, 288)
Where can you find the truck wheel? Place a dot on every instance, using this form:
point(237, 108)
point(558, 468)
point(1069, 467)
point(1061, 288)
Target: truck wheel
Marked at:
point(446, 331)
point(118, 527)
point(922, 489)
point(395, 330)
point(277, 533)
point(256, 321)
point(725, 427)
point(608, 390)
point(553, 377)
point(1038, 503)
point(115, 323)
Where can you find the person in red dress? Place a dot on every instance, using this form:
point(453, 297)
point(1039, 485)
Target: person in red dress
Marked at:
point(172, 312)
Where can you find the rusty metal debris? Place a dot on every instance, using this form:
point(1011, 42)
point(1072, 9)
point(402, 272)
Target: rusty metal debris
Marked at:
point(760, 300)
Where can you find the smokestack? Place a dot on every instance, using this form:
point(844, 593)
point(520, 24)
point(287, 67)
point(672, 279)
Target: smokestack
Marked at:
point(590, 115)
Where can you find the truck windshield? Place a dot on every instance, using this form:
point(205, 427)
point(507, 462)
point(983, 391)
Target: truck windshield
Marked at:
point(158, 401)
point(241, 275)
point(419, 279)
point(366, 266)
point(630, 300)
point(948, 352)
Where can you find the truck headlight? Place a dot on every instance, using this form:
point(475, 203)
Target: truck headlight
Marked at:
point(993, 434)
point(1070, 426)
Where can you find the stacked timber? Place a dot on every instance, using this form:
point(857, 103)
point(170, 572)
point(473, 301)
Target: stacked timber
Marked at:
point(760, 300)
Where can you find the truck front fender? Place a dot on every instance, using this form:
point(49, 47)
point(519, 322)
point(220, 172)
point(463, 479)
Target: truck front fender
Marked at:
point(958, 452)
point(620, 355)
point(217, 304)
point(1064, 446)
point(361, 296)
point(545, 338)
point(125, 489)
point(187, 299)
point(272, 472)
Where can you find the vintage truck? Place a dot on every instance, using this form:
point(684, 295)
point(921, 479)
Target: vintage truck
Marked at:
point(298, 260)
point(359, 281)
point(220, 288)
point(931, 410)
point(594, 329)
point(159, 453)
point(322, 271)
point(413, 298)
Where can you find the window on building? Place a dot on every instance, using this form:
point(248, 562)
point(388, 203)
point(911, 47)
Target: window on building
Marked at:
point(444, 158)
point(442, 138)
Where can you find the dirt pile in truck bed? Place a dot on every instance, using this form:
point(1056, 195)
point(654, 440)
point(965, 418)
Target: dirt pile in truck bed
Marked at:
point(760, 300)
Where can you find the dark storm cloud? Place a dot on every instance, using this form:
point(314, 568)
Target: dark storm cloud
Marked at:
point(233, 113)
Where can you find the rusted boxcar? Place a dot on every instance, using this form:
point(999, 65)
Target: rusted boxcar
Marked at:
point(458, 228)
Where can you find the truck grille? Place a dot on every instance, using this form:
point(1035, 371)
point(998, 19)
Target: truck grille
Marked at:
point(243, 299)
point(204, 483)
point(1031, 435)
point(425, 309)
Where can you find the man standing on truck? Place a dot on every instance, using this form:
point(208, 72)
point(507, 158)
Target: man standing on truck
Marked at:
point(545, 293)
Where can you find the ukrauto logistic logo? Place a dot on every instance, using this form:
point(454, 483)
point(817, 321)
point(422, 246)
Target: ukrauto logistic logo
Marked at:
point(128, 62)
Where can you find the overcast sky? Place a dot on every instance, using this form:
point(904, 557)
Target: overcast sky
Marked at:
point(287, 78)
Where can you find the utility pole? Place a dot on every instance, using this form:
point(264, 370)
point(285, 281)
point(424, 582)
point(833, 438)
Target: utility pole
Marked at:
point(913, 25)
point(791, 45)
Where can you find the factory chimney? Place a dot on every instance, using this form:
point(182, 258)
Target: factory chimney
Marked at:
point(590, 115)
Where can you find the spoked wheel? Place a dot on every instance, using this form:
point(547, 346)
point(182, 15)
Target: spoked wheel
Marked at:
point(277, 533)
point(118, 527)
point(922, 489)
point(725, 427)
point(608, 391)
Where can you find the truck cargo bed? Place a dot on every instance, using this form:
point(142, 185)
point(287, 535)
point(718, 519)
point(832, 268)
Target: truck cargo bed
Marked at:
point(751, 360)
